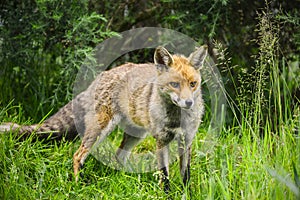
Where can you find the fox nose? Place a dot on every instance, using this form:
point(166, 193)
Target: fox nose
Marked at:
point(189, 102)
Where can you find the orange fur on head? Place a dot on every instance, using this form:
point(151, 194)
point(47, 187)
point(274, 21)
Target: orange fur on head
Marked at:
point(184, 67)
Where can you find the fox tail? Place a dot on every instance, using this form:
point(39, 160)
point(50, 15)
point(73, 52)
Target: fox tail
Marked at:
point(60, 125)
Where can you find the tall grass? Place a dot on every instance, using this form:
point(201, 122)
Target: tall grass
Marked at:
point(241, 167)
point(257, 158)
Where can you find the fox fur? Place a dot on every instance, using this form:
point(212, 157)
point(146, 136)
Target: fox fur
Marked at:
point(161, 98)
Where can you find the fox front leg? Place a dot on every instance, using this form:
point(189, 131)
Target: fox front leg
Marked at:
point(162, 153)
point(184, 151)
point(185, 163)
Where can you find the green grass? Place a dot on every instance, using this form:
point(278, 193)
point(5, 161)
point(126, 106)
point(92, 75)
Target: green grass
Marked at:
point(240, 166)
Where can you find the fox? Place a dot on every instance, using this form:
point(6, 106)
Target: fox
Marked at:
point(163, 99)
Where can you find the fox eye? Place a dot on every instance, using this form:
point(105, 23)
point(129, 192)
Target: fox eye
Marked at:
point(174, 84)
point(193, 84)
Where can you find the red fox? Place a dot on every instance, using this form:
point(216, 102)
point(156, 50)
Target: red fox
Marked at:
point(162, 98)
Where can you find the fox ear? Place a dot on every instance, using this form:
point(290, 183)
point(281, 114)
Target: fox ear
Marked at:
point(197, 58)
point(162, 57)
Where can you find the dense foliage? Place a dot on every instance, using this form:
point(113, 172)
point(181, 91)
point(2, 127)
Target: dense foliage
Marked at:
point(43, 43)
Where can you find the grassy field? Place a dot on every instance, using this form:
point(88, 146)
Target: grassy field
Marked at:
point(240, 165)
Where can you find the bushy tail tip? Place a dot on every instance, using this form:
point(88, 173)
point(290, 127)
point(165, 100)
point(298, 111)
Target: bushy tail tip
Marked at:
point(9, 126)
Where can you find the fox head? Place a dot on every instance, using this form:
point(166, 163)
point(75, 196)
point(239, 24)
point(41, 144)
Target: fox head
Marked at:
point(179, 78)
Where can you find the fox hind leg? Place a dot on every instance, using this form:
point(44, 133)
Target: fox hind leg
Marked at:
point(132, 137)
point(96, 131)
point(78, 159)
